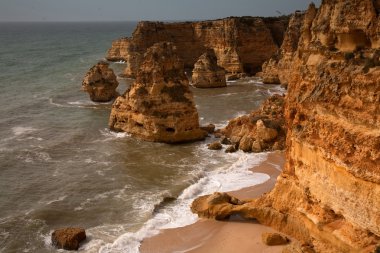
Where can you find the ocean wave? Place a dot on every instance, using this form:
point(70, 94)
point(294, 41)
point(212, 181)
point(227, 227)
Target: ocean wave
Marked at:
point(53, 200)
point(21, 130)
point(30, 156)
point(97, 197)
point(111, 135)
point(78, 104)
point(177, 212)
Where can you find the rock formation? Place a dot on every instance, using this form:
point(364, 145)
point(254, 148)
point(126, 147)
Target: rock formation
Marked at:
point(273, 239)
point(100, 83)
point(277, 69)
point(262, 130)
point(68, 238)
point(207, 73)
point(159, 106)
point(240, 44)
point(328, 195)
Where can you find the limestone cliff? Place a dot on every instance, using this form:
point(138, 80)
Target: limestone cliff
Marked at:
point(277, 69)
point(328, 195)
point(207, 73)
point(240, 44)
point(159, 105)
point(100, 83)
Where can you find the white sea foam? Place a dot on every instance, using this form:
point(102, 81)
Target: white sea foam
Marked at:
point(76, 104)
point(113, 135)
point(178, 214)
point(54, 200)
point(82, 102)
point(33, 156)
point(20, 130)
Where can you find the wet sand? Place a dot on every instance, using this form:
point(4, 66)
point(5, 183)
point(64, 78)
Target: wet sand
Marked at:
point(210, 236)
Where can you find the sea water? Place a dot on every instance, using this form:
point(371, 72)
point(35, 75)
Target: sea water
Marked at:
point(61, 166)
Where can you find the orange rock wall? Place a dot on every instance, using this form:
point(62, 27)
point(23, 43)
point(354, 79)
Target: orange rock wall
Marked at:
point(328, 195)
point(331, 181)
point(240, 44)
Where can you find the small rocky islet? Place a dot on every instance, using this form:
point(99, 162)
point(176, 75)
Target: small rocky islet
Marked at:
point(328, 195)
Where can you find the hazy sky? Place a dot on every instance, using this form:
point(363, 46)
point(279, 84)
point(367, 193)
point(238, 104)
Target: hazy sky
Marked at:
point(124, 10)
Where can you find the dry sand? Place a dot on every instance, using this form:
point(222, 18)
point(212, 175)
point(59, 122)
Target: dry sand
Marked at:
point(210, 236)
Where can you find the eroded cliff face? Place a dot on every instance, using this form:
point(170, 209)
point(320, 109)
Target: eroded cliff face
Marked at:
point(277, 69)
point(240, 44)
point(159, 106)
point(328, 195)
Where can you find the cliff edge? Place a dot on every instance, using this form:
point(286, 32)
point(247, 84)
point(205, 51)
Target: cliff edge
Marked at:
point(241, 44)
point(328, 195)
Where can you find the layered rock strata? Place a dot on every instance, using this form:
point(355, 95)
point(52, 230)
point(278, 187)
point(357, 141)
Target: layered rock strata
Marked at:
point(261, 130)
point(159, 106)
point(328, 195)
point(277, 69)
point(240, 44)
point(100, 83)
point(207, 73)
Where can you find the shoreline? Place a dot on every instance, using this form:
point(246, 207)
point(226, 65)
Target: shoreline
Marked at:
point(207, 236)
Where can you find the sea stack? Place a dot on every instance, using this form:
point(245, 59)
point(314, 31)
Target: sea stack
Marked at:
point(159, 106)
point(100, 83)
point(207, 73)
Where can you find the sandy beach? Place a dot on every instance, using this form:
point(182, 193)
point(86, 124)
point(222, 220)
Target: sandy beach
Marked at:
point(235, 235)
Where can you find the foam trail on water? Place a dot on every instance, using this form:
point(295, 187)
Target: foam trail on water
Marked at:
point(178, 214)
point(20, 130)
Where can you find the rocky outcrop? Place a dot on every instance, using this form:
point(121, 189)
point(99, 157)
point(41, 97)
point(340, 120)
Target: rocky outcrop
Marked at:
point(262, 130)
point(159, 106)
point(68, 238)
point(215, 146)
point(328, 195)
point(240, 44)
point(100, 83)
point(276, 70)
point(118, 50)
point(273, 239)
point(207, 73)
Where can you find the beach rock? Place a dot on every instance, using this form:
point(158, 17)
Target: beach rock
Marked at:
point(210, 128)
point(296, 247)
point(263, 133)
point(217, 135)
point(246, 143)
point(328, 194)
point(273, 239)
point(257, 148)
point(225, 141)
point(68, 238)
point(261, 130)
point(217, 206)
point(159, 106)
point(207, 73)
point(100, 83)
point(241, 44)
point(231, 149)
point(215, 146)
